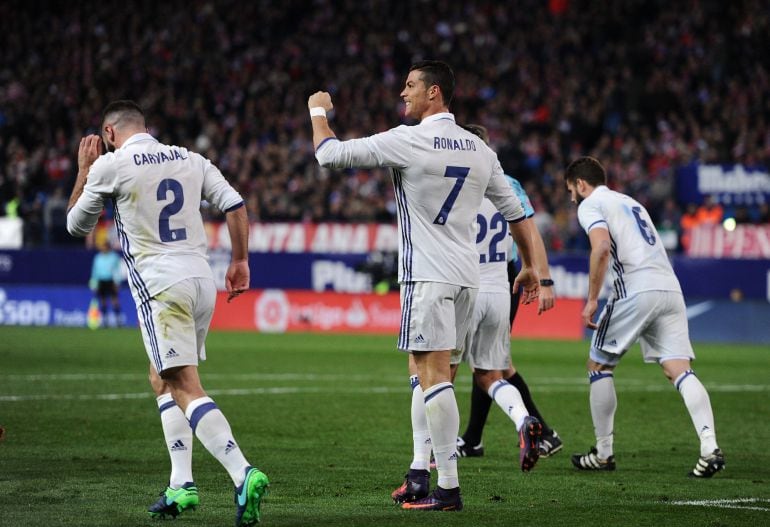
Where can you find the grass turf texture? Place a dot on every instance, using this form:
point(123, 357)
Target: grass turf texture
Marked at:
point(327, 418)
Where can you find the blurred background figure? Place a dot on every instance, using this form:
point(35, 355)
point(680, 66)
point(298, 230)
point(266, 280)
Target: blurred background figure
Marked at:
point(106, 275)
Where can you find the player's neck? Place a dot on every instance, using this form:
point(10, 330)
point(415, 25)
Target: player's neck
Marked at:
point(433, 110)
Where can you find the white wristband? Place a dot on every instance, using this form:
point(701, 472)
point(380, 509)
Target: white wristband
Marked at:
point(317, 111)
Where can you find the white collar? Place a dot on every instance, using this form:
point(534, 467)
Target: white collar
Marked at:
point(137, 138)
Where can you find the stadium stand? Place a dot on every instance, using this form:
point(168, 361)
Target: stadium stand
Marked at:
point(646, 86)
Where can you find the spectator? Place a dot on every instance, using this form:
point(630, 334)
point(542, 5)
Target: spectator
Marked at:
point(665, 87)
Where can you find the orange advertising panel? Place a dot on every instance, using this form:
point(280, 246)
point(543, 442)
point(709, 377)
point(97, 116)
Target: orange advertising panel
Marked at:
point(280, 311)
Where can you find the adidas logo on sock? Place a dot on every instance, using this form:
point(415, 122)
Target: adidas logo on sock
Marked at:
point(419, 339)
point(613, 342)
point(171, 353)
point(230, 446)
point(453, 457)
point(178, 445)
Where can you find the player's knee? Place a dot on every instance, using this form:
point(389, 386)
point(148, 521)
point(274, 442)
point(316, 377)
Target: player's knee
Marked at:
point(485, 378)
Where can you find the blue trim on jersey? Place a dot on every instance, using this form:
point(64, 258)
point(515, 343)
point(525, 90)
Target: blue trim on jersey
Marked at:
point(601, 332)
point(433, 394)
point(406, 316)
point(414, 381)
point(518, 220)
point(166, 406)
point(594, 223)
point(499, 384)
point(405, 224)
point(594, 376)
point(199, 412)
point(684, 376)
point(324, 142)
point(143, 308)
point(235, 207)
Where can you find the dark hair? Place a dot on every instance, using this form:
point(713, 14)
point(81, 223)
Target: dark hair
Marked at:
point(588, 169)
point(123, 110)
point(435, 72)
point(477, 130)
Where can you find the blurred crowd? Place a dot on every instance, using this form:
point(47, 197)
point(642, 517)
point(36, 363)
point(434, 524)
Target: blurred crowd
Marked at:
point(644, 85)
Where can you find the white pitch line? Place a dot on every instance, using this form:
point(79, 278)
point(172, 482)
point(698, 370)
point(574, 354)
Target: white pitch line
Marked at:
point(232, 391)
point(462, 385)
point(737, 503)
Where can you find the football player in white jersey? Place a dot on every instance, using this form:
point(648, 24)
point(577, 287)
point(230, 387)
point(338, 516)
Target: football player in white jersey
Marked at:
point(440, 173)
point(646, 306)
point(487, 346)
point(156, 190)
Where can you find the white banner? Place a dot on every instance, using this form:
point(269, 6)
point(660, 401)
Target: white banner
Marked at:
point(11, 230)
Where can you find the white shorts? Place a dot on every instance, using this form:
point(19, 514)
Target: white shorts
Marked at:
point(434, 316)
point(657, 319)
point(176, 321)
point(488, 343)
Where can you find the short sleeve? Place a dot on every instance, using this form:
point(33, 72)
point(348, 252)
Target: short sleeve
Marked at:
point(591, 216)
point(529, 210)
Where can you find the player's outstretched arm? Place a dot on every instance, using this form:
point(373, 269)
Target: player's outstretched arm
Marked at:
point(238, 274)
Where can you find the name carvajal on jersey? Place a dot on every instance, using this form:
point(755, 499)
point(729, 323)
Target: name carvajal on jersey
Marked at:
point(156, 159)
point(449, 143)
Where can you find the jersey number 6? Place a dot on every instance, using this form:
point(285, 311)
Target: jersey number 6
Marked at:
point(460, 174)
point(168, 234)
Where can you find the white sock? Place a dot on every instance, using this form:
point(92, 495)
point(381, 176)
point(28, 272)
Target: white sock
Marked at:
point(509, 399)
point(603, 402)
point(444, 425)
point(420, 434)
point(696, 398)
point(213, 430)
point(179, 440)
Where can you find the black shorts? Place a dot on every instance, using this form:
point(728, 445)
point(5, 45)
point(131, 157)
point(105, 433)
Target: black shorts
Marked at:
point(106, 288)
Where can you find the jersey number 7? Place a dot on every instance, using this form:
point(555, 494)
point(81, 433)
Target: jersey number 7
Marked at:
point(460, 173)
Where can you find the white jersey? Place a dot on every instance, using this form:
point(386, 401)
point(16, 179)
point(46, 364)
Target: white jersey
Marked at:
point(156, 190)
point(639, 260)
point(494, 244)
point(440, 173)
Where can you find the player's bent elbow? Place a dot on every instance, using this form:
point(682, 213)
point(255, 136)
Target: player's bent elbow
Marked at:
point(75, 230)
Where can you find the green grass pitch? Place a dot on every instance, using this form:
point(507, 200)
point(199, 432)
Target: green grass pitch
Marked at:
point(327, 418)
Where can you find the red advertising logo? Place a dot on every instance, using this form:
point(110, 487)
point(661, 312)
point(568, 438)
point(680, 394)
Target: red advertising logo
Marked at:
point(277, 311)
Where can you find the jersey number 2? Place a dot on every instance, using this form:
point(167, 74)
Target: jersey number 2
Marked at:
point(167, 234)
point(459, 173)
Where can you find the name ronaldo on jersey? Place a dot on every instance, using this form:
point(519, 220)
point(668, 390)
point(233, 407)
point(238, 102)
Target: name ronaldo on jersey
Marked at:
point(447, 143)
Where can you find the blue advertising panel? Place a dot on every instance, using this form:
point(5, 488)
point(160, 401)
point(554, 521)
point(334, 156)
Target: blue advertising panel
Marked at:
point(56, 306)
point(730, 185)
point(358, 273)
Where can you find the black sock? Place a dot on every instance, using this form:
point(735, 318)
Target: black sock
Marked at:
point(480, 405)
point(518, 381)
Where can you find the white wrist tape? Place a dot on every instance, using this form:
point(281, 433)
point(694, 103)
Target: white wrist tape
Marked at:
point(317, 111)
